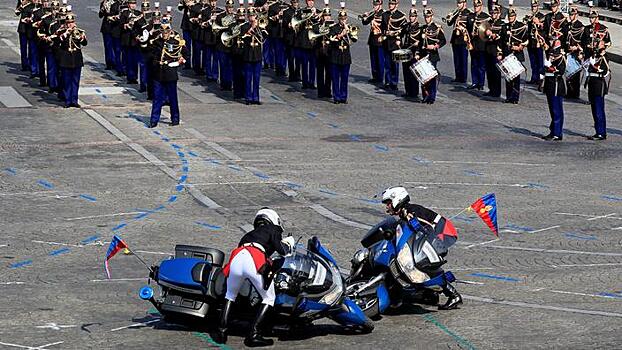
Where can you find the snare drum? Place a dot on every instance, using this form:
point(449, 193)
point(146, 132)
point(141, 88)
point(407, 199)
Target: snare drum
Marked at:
point(402, 55)
point(510, 67)
point(573, 66)
point(423, 70)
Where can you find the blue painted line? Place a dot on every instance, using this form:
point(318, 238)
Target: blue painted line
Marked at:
point(334, 126)
point(373, 201)
point(421, 160)
point(185, 168)
point(614, 131)
point(165, 139)
point(172, 199)
point(179, 188)
point(119, 226)
point(275, 97)
point(45, 184)
point(447, 331)
point(175, 146)
point(472, 173)
point(141, 216)
point(611, 295)
point(192, 154)
point(381, 148)
point(183, 178)
point(206, 225)
point(517, 227)
point(59, 251)
point(293, 185)
point(579, 236)
point(328, 192)
point(611, 198)
point(213, 161)
point(20, 264)
point(236, 168)
point(156, 132)
point(89, 240)
point(261, 175)
point(355, 138)
point(494, 277)
point(88, 198)
point(161, 207)
point(312, 114)
point(180, 154)
point(11, 171)
point(537, 185)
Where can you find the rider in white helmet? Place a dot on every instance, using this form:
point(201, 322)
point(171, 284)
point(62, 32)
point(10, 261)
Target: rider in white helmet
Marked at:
point(398, 203)
point(251, 260)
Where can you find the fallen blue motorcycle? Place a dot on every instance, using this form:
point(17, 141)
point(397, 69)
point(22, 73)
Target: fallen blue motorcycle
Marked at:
point(397, 262)
point(307, 282)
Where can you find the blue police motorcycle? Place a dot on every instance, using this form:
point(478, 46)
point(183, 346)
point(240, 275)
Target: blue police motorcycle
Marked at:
point(308, 286)
point(398, 261)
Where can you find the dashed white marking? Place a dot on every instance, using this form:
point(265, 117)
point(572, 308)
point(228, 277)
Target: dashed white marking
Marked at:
point(470, 282)
point(576, 293)
point(482, 243)
point(10, 98)
point(488, 163)
point(58, 243)
point(329, 214)
point(545, 229)
point(56, 327)
point(541, 307)
point(601, 217)
point(118, 280)
point(150, 252)
point(464, 184)
point(32, 347)
point(103, 216)
point(590, 217)
point(135, 325)
point(11, 283)
point(587, 265)
point(26, 193)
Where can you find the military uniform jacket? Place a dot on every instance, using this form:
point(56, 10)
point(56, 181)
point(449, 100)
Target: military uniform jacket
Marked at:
point(209, 37)
point(106, 24)
point(126, 33)
point(554, 81)
point(37, 16)
point(275, 29)
point(44, 27)
point(412, 37)
point(302, 37)
point(322, 44)
point(137, 31)
point(70, 59)
point(533, 29)
point(460, 20)
point(597, 82)
point(340, 48)
point(514, 34)
point(472, 24)
point(26, 12)
point(289, 36)
point(574, 36)
point(555, 26)
point(432, 34)
point(161, 71)
point(268, 236)
point(392, 23)
point(253, 42)
point(495, 43)
point(185, 20)
point(374, 21)
point(195, 21)
point(591, 35)
point(218, 36)
point(114, 19)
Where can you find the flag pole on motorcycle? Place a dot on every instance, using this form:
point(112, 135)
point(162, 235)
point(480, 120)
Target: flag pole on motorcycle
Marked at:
point(116, 245)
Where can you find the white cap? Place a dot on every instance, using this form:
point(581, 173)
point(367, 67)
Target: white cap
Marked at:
point(250, 2)
point(69, 8)
point(326, 2)
point(241, 3)
point(424, 3)
point(64, 2)
point(156, 4)
point(512, 2)
point(342, 4)
point(590, 3)
point(413, 2)
point(169, 8)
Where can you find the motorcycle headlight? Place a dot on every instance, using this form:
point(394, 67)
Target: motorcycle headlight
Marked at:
point(406, 261)
point(335, 292)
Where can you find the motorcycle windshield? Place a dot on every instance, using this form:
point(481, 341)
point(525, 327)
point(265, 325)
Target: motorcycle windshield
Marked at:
point(375, 234)
point(310, 271)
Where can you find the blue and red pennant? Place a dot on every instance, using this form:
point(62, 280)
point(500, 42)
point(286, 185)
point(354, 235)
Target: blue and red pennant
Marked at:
point(116, 245)
point(486, 208)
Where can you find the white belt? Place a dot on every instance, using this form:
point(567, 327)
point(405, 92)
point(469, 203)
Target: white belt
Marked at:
point(597, 75)
point(255, 245)
point(549, 74)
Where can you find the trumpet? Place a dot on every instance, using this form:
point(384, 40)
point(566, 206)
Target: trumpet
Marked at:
point(451, 16)
point(366, 16)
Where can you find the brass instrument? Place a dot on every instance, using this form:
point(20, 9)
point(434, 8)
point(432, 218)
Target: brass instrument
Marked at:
point(323, 31)
point(296, 22)
point(226, 22)
point(227, 38)
point(74, 37)
point(364, 17)
point(451, 16)
point(262, 20)
point(352, 34)
point(107, 5)
point(482, 29)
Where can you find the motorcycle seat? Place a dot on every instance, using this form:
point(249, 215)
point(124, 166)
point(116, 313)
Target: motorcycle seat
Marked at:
point(178, 272)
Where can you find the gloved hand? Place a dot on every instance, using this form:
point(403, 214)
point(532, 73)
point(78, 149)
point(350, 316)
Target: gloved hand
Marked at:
point(290, 242)
point(547, 63)
point(592, 61)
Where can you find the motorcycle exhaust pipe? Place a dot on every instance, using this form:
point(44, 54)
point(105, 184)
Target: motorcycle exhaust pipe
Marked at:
point(146, 293)
point(370, 283)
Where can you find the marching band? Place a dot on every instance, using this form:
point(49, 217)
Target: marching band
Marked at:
point(305, 44)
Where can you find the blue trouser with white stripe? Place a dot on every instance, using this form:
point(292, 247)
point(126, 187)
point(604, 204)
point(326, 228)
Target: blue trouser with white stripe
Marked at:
point(556, 109)
point(598, 113)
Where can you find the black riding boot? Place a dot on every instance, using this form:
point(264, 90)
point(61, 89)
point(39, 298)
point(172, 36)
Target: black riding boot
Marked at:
point(453, 297)
point(255, 339)
point(221, 334)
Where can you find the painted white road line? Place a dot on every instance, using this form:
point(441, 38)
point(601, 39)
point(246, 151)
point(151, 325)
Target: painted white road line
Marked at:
point(580, 294)
point(58, 243)
point(601, 217)
point(118, 280)
point(464, 184)
point(11, 283)
point(586, 265)
point(103, 216)
point(42, 347)
point(545, 229)
point(213, 145)
point(482, 243)
point(135, 325)
point(556, 251)
point(470, 282)
point(154, 253)
point(101, 90)
point(541, 307)
point(12, 46)
point(617, 228)
point(26, 193)
point(335, 217)
point(56, 327)
point(487, 163)
point(235, 183)
point(3, 245)
point(590, 217)
point(10, 98)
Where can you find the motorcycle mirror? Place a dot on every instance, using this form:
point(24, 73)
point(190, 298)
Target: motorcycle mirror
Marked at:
point(387, 234)
point(146, 293)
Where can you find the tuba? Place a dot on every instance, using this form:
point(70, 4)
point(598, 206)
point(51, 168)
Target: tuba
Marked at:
point(323, 31)
point(296, 22)
point(227, 38)
point(226, 22)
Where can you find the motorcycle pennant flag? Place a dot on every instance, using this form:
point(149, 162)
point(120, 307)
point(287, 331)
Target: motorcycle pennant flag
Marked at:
point(116, 246)
point(486, 209)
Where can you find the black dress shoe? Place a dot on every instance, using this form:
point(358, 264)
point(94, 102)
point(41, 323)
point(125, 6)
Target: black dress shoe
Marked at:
point(507, 101)
point(393, 87)
point(550, 137)
point(134, 81)
point(372, 81)
point(345, 102)
point(515, 102)
point(312, 87)
point(257, 103)
point(77, 105)
point(142, 89)
point(472, 87)
point(336, 102)
point(452, 303)
point(597, 137)
point(248, 103)
point(174, 123)
point(66, 106)
point(152, 125)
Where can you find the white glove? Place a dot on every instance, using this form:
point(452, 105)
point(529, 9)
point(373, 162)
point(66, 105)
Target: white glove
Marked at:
point(547, 63)
point(592, 61)
point(290, 242)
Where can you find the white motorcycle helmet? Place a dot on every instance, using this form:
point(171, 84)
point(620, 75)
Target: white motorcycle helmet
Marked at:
point(267, 215)
point(397, 197)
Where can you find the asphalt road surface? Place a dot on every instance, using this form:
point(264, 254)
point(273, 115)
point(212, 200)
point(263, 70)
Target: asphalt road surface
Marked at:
point(71, 178)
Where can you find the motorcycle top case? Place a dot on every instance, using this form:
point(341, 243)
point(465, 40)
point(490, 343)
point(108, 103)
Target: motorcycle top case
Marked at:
point(192, 275)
